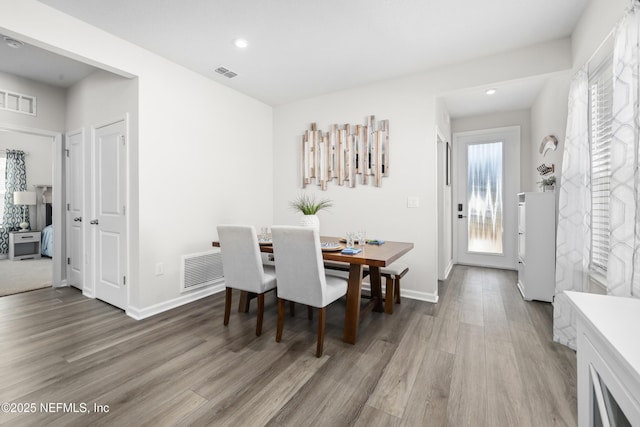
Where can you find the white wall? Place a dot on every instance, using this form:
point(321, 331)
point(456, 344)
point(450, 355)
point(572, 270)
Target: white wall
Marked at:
point(38, 161)
point(549, 110)
point(101, 97)
point(503, 119)
point(383, 211)
point(594, 25)
point(204, 150)
point(50, 104)
point(410, 105)
point(548, 117)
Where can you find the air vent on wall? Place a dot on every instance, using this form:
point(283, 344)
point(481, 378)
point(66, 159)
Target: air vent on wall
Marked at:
point(225, 72)
point(201, 269)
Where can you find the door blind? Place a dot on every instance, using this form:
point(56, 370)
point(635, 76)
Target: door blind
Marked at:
point(600, 121)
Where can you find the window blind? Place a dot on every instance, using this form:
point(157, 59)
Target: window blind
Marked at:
point(600, 124)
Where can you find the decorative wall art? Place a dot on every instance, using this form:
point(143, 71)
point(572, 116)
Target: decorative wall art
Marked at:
point(549, 142)
point(344, 152)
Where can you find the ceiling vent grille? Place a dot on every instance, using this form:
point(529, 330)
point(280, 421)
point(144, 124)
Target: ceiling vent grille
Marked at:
point(225, 72)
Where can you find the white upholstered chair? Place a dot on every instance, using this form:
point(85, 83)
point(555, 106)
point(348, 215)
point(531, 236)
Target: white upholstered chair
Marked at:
point(301, 275)
point(243, 268)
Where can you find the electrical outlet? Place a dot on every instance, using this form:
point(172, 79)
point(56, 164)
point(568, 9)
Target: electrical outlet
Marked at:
point(159, 269)
point(413, 202)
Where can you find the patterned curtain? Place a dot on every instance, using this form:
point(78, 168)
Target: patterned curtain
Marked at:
point(15, 180)
point(623, 272)
point(573, 244)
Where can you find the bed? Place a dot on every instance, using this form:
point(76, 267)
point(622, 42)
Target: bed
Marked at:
point(46, 242)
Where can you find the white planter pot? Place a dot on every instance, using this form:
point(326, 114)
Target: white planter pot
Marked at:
point(311, 221)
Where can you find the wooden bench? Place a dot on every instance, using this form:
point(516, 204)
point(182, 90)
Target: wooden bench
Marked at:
point(392, 274)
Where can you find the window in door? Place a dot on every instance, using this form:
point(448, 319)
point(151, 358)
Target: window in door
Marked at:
point(484, 198)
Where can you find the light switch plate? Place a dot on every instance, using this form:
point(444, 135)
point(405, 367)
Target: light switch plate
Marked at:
point(413, 202)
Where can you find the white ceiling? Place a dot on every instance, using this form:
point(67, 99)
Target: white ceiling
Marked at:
point(41, 65)
point(303, 48)
point(509, 96)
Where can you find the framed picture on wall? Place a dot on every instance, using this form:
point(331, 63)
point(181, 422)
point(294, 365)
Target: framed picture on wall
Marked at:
point(447, 166)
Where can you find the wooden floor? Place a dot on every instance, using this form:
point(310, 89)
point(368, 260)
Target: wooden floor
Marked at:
point(480, 357)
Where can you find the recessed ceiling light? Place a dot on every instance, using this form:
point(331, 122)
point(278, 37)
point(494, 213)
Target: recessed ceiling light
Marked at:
point(491, 91)
point(241, 43)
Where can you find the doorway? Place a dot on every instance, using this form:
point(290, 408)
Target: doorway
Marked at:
point(43, 167)
point(488, 180)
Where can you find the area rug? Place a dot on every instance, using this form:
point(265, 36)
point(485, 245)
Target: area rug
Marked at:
point(25, 275)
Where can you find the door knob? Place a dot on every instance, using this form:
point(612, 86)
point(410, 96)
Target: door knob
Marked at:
point(93, 221)
point(78, 219)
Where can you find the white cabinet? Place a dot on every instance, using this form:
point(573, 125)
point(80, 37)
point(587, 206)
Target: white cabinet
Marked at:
point(537, 246)
point(608, 359)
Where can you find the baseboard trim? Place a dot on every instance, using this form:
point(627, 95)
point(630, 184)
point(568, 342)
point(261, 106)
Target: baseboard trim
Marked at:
point(63, 284)
point(143, 313)
point(408, 293)
point(447, 271)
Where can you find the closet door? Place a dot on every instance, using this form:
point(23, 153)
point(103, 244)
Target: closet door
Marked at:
point(108, 224)
point(74, 147)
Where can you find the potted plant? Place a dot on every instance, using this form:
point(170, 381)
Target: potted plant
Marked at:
point(548, 184)
point(309, 207)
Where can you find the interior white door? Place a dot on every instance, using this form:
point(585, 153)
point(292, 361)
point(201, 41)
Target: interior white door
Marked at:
point(108, 220)
point(74, 146)
point(488, 181)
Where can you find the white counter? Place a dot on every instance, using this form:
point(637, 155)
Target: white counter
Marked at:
point(609, 343)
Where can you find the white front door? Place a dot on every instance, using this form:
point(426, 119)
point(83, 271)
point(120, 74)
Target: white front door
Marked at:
point(488, 171)
point(108, 220)
point(74, 147)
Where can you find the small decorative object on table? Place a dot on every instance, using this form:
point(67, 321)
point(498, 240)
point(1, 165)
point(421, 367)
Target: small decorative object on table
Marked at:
point(309, 208)
point(331, 246)
point(351, 251)
point(264, 238)
point(375, 242)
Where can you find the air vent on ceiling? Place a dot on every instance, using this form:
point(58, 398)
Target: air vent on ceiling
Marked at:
point(226, 72)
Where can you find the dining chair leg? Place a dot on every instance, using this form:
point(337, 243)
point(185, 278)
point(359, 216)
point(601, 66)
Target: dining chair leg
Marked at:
point(292, 308)
point(243, 302)
point(310, 312)
point(388, 298)
point(227, 305)
point(321, 318)
point(260, 314)
point(397, 291)
point(280, 319)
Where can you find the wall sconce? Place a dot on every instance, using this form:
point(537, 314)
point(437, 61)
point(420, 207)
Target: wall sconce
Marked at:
point(24, 198)
point(344, 152)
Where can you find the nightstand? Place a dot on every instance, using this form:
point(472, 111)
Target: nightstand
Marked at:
point(24, 245)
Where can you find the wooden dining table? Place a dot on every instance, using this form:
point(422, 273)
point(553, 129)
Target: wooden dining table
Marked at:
point(373, 256)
